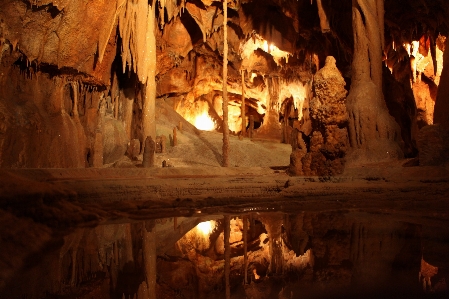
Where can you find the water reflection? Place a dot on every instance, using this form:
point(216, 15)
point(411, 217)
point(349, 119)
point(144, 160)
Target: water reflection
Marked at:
point(286, 255)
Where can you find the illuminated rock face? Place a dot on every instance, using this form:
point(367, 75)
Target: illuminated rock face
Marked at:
point(126, 51)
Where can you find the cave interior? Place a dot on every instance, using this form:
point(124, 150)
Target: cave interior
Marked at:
point(224, 149)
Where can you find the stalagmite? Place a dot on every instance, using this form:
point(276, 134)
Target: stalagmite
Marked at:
point(227, 232)
point(148, 154)
point(225, 87)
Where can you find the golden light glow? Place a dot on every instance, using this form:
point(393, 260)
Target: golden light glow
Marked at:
point(257, 42)
point(253, 75)
point(196, 113)
point(204, 122)
point(205, 227)
point(407, 48)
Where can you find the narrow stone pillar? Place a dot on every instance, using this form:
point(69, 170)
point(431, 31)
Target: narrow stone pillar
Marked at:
point(180, 126)
point(148, 153)
point(251, 126)
point(225, 148)
point(243, 106)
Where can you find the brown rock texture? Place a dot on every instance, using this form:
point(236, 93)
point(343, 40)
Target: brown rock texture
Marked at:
point(114, 139)
point(329, 137)
point(433, 145)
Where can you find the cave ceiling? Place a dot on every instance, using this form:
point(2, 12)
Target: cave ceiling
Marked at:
point(83, 38)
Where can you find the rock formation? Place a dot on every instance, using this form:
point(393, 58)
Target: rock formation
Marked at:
point(329, 118)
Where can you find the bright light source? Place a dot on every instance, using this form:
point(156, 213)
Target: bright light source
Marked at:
point(407, 47)
point(253, 75)
point(205, 227)
point(265, 46)
point(257, 42)
point(204, 122)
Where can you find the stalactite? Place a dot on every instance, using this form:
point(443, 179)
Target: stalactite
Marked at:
point(75, 90)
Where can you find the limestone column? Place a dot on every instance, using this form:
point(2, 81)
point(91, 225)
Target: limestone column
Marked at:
point(225, 87)
point(149, 102)
point(243, 105)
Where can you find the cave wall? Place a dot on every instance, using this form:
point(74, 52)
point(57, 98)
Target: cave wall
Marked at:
point(46, 45)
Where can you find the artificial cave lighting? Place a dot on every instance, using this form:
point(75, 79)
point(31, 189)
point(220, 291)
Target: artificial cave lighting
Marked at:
point(197, 113)
point(198, 238)
point(298, 91)
point(205, 227)
point(257, 42)
point(204, 122)
point(234, 118)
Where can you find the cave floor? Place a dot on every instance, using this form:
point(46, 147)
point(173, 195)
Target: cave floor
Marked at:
point(79, 197)
point(41, 205)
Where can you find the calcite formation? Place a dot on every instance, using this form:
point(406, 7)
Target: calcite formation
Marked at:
point(328, 136)
point(56, 70)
